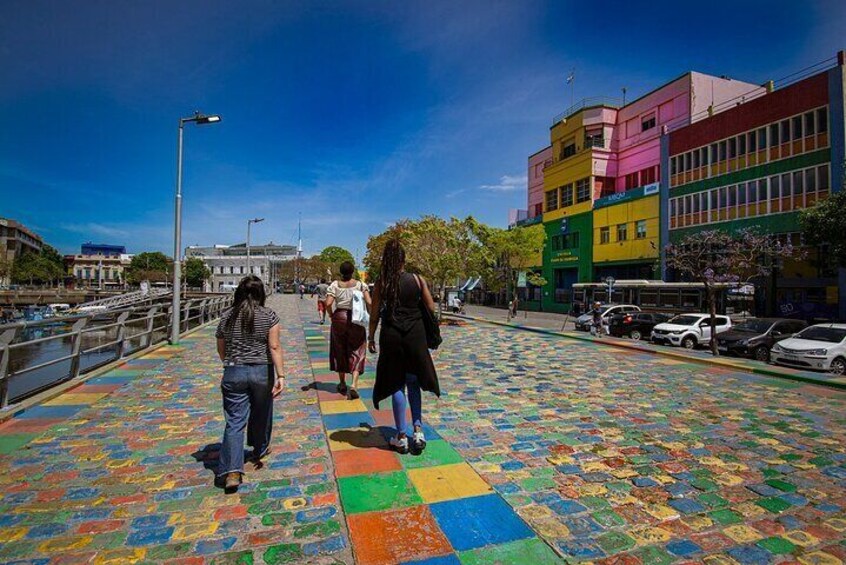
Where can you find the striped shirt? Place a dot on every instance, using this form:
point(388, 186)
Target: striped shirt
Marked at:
point(244, 348)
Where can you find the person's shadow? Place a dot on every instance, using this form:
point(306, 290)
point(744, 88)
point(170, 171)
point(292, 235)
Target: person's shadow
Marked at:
point(209, 456)
point(325, 387)
point(368, 437)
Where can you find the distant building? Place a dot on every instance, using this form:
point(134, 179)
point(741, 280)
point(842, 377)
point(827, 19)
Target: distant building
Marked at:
point(15, 240)
point(102, 249)
point(98, 270)
point(228, 263)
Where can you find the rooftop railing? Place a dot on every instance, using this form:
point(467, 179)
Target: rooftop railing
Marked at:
point(89, 343)
point(608, 101)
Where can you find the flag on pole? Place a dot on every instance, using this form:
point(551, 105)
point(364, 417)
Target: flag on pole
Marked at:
point(571, 76)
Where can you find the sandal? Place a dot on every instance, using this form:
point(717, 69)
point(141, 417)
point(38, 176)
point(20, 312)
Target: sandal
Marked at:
point(352, 394)
point(342, 389)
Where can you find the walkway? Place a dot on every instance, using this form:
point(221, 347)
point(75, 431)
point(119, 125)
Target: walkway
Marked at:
point(542, 449)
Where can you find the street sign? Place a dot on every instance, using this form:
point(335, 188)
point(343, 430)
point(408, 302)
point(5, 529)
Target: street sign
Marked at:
point(521, 279)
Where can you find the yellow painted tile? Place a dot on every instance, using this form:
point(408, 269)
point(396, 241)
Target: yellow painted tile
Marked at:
point(294, 503)
point(750, 509)
point(118, 556)
point(12, 534)
point(697, 523)
point(448, 482)
point(650, 535)
point(742, 534)
point(56, 545)
point(624, 473)
point(194, 531)
point(551, 528)
point(76, 398)
point(535, 512)
point(357, 438)
point(799, 537)
point(661, 512)
point(342, 406)
point(819, 558)
point(591, 489)
point(719, 559)
point(120, 463)
point(728, 480)
point(838, 524)
point(485, 467)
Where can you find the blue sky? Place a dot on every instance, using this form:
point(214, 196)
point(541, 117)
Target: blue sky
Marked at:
point(354, 113)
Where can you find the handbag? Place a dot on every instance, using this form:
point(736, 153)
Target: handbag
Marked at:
point(360, 316)
point(430, 323)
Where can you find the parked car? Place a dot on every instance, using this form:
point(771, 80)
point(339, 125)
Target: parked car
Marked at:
point(584, 321)
point(689, 330)
point(635, 325)
point(756, 336)
point(821, 347)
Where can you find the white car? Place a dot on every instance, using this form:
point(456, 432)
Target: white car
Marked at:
point(584, 322)
point(689, 330)
point(821, 347)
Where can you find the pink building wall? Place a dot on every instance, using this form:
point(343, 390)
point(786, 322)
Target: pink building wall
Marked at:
point(537, 162)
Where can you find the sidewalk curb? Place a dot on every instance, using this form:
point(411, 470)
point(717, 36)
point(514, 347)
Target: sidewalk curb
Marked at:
point(719, 362)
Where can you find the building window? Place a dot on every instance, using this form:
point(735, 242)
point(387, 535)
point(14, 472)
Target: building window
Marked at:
point(640, 229)
point(713, 153)
point(632, 179)
point(741, 145)
point(722, 147)
point(570, 241)
point(822, 120)
point(797, 127)
point(566, 195)
point(594, 138)
point(568, 149)
point(648, 175)
point(672, 165)
point(732, 148)
point(552, 200)
point(605, 235)
point(622, 232)
point(773, 135)
point(810, 128)
point(785, 131)
point(752, 140)
point(231, 270)
point(647, 123)
point(583, 190)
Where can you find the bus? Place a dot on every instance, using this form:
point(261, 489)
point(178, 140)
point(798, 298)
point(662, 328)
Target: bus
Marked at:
point(671, 297)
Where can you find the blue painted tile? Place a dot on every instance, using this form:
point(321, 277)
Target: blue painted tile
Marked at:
point(451, 559)
point(750, 555)
point(208, 547)
point(683, 547)
point(150, 536)
point(686, 505)
point(51, 411)
point(348, 420)
point(478, 521)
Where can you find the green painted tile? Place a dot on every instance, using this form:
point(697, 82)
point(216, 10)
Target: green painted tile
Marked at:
point(608, 518)
point(171, 551)
point(278, 519)
point(773, 504)
point(595, 503)
point(233, 558)
point(712, 500)
point(283, 553)
point(535, 485)
point(615, 542)
point(437, 452)
point(777, 545)
point(9, 443)
point(725, 517)
point(654, 555)
point(781, 485)
point(520, 552)
point(381, 491)
point(318, 529)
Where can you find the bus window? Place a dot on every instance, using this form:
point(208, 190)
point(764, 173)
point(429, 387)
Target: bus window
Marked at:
point(669, 298)
point(648, 298)
point(691, 299)
point(600, 295)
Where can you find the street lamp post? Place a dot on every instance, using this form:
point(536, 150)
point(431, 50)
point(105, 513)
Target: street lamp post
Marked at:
point(249, 223)
point(200, 119)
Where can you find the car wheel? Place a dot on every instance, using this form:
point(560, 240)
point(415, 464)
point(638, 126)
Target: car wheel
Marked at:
point(688, 342)
point(762, 353)
point(636, 335)
point(838, 366)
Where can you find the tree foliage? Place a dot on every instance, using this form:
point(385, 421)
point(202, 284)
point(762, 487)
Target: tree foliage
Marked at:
point(512, 251)
point(153, 266)
point(45, 267)
point(195, 272)
point(335, 255)
point(825, 223)
point(712, 257)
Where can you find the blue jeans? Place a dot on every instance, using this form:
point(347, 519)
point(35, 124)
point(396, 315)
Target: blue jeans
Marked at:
point(398, 404)
point(247, 404)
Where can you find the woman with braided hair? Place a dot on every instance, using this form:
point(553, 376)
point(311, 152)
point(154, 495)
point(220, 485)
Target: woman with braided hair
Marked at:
point(404, 360)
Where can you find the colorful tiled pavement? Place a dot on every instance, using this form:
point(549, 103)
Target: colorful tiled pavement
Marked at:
point(539, 442)
point(430, 508)
point(120, 470)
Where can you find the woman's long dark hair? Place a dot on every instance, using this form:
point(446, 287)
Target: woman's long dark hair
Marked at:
point(248, 296)
point(393, 261)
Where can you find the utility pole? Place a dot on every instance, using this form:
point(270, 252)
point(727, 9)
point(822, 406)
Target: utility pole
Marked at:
point(299, 246)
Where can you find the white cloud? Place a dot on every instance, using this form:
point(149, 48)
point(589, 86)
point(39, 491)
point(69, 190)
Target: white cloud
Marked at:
point(507, 183)
point(94, 228)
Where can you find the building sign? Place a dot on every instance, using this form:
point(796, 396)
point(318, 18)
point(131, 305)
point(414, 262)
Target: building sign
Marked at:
point(633, 194)
point(521, 279)
point(564, 256)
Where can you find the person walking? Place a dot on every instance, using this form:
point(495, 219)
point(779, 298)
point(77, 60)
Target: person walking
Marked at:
point(253, 375)
point(302, 290)
point(596, 319)
point(404, 360)
point(321, 291)
point(347, 341)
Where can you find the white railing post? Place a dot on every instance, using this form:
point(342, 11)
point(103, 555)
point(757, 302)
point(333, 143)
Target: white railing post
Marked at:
point(5, 339)
point(121, 334)
point(76, 345)
point(147, 340)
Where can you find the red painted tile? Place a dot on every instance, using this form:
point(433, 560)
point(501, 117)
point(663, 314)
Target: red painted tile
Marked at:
point(350, 462)
point(375, 535)
point(28, 425)
point(100, 526)
point(96, 388)
point(230, 512)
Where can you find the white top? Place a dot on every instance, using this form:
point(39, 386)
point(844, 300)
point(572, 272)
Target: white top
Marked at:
point(344, 296)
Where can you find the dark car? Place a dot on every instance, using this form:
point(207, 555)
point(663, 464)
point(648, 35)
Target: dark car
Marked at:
point(635, 325)
point(756, 336)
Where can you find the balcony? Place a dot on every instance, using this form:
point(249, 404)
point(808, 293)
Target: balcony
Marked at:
point(592, 102)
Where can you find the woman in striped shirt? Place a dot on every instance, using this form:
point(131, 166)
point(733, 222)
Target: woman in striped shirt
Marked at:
point(248, 344)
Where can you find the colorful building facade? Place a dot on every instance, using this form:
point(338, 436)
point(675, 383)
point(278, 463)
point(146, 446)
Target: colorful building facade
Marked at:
point(758, 164)
point(601, 191)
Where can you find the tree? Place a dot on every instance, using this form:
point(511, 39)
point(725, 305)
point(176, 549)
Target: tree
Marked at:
point(513, 250)
point(37, 268)
point(376, 245)
point(335, 255)
point(195, 272)
point(5, 268)
point(715, 258)
point(825, 223)
point(152, 266)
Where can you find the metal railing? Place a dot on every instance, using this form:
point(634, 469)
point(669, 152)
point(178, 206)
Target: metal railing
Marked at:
point(127, 299)
point(132, 330)
point(588, 103)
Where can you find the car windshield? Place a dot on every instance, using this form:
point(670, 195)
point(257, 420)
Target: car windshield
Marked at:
point(756, 326)
point(684, 320)
point(831, 335)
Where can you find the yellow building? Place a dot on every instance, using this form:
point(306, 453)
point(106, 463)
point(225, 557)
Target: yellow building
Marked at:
point(626, 232)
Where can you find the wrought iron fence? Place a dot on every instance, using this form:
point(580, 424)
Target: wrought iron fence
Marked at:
point(110, 336)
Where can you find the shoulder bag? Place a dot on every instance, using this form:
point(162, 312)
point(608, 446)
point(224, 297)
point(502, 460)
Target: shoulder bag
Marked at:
point(430, 324)
point(360, 316)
